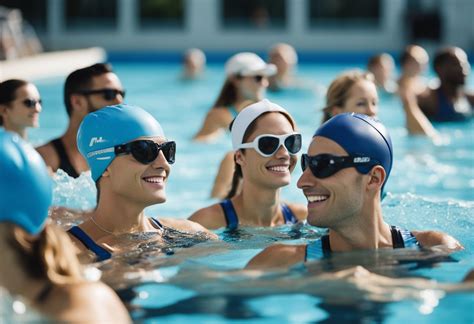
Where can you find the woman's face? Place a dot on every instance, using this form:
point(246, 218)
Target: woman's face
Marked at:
point(252, 87)
point(362, 98)
point(140, 183)
point(271, 172)
point(24, 110)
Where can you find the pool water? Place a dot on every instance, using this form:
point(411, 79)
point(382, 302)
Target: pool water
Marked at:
point(430, 187)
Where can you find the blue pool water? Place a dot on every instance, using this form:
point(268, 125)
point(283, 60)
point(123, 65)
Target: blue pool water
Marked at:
point(431, 187)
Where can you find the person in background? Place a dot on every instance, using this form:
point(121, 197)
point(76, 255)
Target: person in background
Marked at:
point(265, 144)
point(413, 62)
point(20, 106)
point(194, 64)
point(344, 175)
point(38, 262)
point(382, 66)
point(450, 101)
point(129, 157)
point(86, 90)
point(284, 57)
point(246, 82)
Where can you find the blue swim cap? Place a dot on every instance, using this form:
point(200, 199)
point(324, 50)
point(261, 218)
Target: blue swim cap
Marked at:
point(105, 128)
point(26, 190)
point(360, 134)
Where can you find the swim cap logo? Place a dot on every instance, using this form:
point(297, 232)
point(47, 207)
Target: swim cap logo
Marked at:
point(361, 159)
point(96, 140)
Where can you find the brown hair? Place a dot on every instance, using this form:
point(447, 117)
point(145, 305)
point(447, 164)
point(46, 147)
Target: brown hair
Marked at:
point(8, 90)
point(49, 255)
point(237, 176)
point(339, 89)
point(227, 96)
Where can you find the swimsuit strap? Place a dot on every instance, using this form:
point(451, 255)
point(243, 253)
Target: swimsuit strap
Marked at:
point(230, 215)
point(403, 238)
point(157, 223)
point(318, 249)
point(44, 293)
point(102, 254)
point(288, 215)
point(64, 162)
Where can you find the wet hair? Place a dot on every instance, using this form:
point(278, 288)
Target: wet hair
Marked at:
point(8, 90)
point(47, 256)
point(227, 96)
point(81, 80)
point(338, 91)
point(237, 176)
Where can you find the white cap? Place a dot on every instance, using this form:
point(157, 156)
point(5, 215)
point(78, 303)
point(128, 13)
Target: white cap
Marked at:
point(249, 114)
point(248, 64)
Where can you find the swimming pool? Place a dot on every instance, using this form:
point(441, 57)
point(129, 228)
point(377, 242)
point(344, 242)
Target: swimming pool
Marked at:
point(431, 187)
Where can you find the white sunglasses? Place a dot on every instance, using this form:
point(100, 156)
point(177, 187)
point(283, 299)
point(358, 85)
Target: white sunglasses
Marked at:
point(267, 144)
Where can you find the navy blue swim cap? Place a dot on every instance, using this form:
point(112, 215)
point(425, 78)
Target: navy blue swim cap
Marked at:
point(105, 128)
point(26, 189)
point(360, 134)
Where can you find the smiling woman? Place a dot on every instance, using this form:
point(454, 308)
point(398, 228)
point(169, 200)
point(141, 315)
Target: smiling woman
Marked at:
point(20, 105)
point(265, 145)
point(129, 157)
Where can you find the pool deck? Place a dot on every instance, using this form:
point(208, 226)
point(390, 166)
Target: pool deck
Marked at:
point(50, 64)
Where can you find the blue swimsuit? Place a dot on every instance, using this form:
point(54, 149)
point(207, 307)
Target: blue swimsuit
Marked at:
point(321, 248)
point(447, 112)
point(101, 253)
point(233, 221)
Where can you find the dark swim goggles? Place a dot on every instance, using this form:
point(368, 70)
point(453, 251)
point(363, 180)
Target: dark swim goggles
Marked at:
point(107, 94)
point(267, 144)
point(146, 151)
point(325, 165)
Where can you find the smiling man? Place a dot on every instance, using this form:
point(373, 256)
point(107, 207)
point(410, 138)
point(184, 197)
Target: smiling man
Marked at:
point(344, 173)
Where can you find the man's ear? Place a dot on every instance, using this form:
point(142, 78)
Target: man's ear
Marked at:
point(78, 102)
point(377, 177)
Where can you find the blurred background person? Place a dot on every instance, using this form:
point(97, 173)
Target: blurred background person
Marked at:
point(194, 64)
point(413, 62)
point(284, 57)
point(382, 67)
point(38, 262)
point(20, 106)
point(86, 90)
point(246, 82)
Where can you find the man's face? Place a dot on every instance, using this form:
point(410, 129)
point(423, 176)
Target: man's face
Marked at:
point(107, 81)
point(336, 200)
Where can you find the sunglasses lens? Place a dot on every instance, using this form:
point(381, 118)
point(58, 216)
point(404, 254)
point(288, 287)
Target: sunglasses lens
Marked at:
point(258, 78)
point(169, 151)
point(31, 103)
point(144, 151)
point(268, 144)
point(320, 166)
point(293, 143)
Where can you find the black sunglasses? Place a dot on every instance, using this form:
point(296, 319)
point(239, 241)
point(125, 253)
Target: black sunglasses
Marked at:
point(146, 151)
point(325, 165)
point(108, 94)
point(31, 103)
point(257, 78)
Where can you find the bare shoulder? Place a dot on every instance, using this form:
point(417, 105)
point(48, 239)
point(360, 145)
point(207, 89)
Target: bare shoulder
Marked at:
point(211, 217)
point(186, 226)
point(435, 238)
point(81, 303)
point(299, 210)
point(49, 155)
point(278, 256)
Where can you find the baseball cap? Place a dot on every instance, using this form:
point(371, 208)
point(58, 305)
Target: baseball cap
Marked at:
point(248, 64)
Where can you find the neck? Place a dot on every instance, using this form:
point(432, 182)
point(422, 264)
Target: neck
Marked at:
point(259, 206)
point(69, 137)
point(118, 216)
point(364, 231)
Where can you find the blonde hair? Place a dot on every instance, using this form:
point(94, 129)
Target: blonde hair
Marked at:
point(50, 255)
point(338, 91)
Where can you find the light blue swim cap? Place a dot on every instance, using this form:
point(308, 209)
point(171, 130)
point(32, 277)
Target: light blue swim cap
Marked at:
point(105, 128)
point(360, 134)
point(26, 190)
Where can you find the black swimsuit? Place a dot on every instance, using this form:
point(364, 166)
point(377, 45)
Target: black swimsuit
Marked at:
point(64, 162)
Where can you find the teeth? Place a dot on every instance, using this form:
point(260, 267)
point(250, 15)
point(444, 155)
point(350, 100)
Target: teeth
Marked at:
point(278, 168)
point(316, 198)
point(154, 179)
